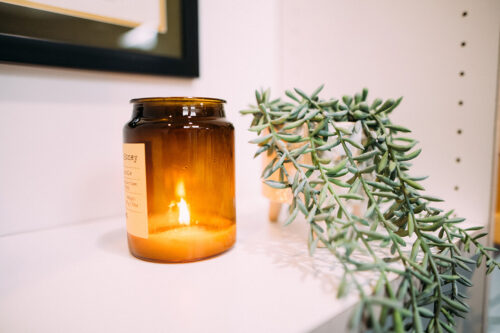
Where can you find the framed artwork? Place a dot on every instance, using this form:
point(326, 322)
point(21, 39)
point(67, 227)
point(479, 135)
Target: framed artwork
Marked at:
point(135, 36)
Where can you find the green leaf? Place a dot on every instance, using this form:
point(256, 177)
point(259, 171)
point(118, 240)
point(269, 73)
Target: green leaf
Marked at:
point(375, 235)
point(280, 120)
point(311, 115)
point(464, 259)
point(430, 198)
point(275, 184)
point(433, 238)
point(310, 216)
point(455, 220)
point(317, 91)
point(411, 224)
point(329, 103)
point(289, 137)
point(301, 206)
point(376, 103)
point(364, 107)
point(265, 95)
point(339, 182)
point(258, 97)
point(313, 243)
point(339, 174)
point(364, 94)
point(383, 162)
point(398, 128)
point(328, 146)
point(433, 218)
point(261, 150)
point(410, 156)
point(360, 115)
point(386, 195)
point(261, 139)
point(481, 235)
point(425, 312)
point(321, 217)
point(356, 317)
point(339, 166)
point(258, 128)
point(388, 181)
point(292, 216)
point(343, 130)
point(449, 277)
point(354, 143)
point(347, 100)
point(390, 303)
point(299, 151)
point(249, 111)
point(393, 106)
point(338, 114)
point(355, 185)
point(322, 195)
point(278, 164)
point(379, 186)
point(302, 94)
point(291, 95)
point(341, 292)
point(294, 124)
point(454, 304)
point(447, 327)
point(357, 99)
point(401, 148)
point(351, 196)
point(414, 250)
point(392, 166)
point(387, 104)
point(365, 156)
point(300, 187)
point(474, 228)
point(413, 184)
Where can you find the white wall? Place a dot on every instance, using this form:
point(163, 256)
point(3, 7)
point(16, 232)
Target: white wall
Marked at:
point(60, 129)
point(411, 49)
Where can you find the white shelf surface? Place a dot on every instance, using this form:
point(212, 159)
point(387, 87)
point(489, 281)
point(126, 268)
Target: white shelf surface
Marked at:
point(81, 278)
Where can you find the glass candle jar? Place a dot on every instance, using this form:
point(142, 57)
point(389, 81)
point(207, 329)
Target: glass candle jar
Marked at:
point(179, 179)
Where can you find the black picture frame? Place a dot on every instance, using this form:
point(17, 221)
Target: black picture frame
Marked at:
point(19, 49)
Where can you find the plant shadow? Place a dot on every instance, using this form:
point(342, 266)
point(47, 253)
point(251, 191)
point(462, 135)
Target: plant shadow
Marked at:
point(115, 242)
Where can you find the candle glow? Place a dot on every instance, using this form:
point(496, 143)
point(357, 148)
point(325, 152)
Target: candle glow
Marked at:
point(184, 216)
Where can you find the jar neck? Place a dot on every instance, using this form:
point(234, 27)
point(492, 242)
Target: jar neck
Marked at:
point(167, 108)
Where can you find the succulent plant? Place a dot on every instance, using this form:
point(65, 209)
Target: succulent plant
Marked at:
point(423, 245)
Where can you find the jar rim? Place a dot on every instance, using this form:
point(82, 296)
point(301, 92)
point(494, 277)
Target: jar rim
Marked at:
point(178, 99)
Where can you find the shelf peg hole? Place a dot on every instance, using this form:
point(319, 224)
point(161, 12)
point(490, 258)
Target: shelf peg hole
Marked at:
point(458, 159)
point(463, 44)
point(460, 102)
point(456, 188)
point(459, 131)
point(465, 13)
point(461, 73)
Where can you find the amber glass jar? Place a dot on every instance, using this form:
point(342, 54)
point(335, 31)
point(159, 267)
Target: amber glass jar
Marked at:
point(179, 179)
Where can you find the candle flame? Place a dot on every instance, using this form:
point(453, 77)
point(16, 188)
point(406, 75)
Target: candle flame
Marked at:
point(180, 191)
point(184, 217)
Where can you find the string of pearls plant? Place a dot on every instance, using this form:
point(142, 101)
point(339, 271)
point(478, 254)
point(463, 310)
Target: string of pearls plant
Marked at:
point(423, 243)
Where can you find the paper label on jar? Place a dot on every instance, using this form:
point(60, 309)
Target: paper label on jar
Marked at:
point(134, 163)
